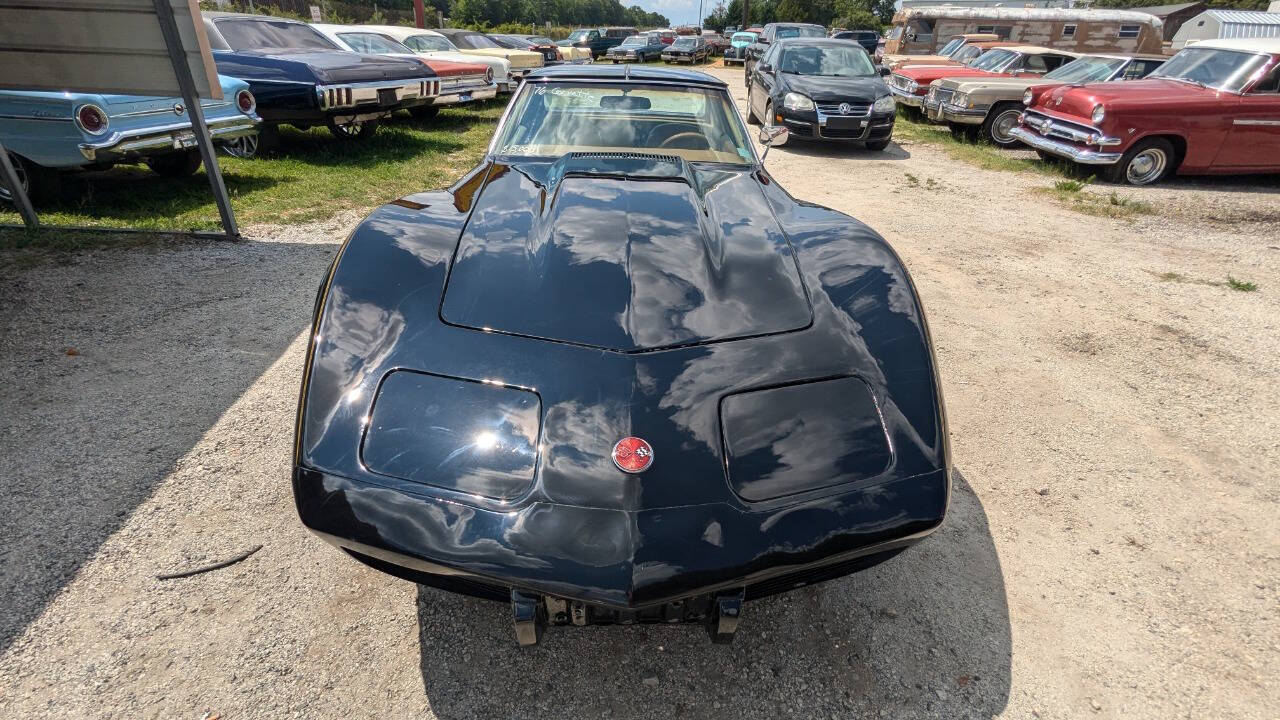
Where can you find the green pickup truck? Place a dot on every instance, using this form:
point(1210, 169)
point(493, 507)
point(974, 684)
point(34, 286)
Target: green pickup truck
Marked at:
point(598, 40)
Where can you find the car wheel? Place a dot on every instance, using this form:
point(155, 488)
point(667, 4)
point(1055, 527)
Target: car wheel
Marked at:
point(878, 145)
point(1147, 162)
point(176, 165)
point(242, 147)
point(40, 183)
point(751, 111)
point(767, 120)
point(1000, 122)
point(353, 130)
point(424, 112)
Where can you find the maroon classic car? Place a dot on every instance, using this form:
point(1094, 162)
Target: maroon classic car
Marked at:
point(1214, 108)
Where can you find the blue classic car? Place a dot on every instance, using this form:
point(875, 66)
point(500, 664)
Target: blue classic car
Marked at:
point(738, 44)
point(46, 132)
point(302, 78)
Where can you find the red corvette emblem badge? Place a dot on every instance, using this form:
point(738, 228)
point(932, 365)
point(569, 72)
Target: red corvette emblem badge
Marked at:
point(632, 455)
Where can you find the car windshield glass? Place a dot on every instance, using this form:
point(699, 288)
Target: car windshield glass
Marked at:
point(1086, 70)
point(539, 40)
point(551, 119)
point(790, 32)
point(1222, 69)
point(577, 35)
point(951, 46)
point(373, 43)
point(635, 40)
point(993, 59)
point(744, 37)
point(429, 43)
point(258, 34)
point(842, 61)
point(684, 43)
point(475, 41)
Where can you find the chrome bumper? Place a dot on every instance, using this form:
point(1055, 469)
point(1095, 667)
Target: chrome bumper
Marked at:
point(1084, 156)
point(906, 98)
point(174, 136)
point(963, 115)
point(352, 95)
point(453, 96)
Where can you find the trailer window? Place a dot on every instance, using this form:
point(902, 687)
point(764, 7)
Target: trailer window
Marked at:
point(1001, 31)
point(1068, 31)
point(1129, 31)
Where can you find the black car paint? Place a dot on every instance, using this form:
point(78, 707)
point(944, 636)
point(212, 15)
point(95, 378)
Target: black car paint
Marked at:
point(284, 80)
point(765, 92)
point(868, 39)
point(692, 55)
point(578, 527)
point(643, 53)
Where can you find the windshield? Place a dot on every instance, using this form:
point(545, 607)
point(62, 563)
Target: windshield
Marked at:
point(1221, 69)
point(258, 34)
point(992, 60)
point(634, 40)
point(577, 35)
point(744, 37)
point(684, 43)
point(429, 43)
point(839, 61)
point(539, 40)
point(951, 46)
point(475, 41)
point(551, 119)
point(373, 43)
point(790, 32)
point(1086, 70)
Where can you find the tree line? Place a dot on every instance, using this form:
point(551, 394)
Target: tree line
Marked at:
point(558, 12)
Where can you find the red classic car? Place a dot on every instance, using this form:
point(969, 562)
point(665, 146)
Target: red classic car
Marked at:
point(910, 83)
point(1214, 108)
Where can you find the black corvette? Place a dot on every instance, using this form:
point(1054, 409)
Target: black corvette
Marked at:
point(821, 90)
point(617, 374)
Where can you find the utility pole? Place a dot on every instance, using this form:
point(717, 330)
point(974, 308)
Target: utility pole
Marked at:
point(745, 14)
point(698, 24)
point(419, 14)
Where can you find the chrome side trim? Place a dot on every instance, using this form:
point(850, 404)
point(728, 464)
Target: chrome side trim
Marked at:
point(1268, 123)
point(169, 110)
point(36, 117)
point(1084, 156)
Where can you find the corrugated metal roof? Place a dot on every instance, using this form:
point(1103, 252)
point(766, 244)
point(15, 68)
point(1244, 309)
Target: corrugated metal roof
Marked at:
point(1162, 11)
point(1244, 17)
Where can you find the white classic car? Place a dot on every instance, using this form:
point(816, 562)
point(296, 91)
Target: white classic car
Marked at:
point(433, 45)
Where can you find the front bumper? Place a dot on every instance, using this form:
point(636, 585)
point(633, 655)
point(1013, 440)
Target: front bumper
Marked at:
point(165, 138)
point(1070, 151)
point(962, 115)
point(814, 125)
point(623, 560)
point(906, 98)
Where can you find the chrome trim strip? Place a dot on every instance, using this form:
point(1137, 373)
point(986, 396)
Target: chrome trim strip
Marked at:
point(1071, 152)
point(36, 117)
point(169, 110)
point(1256, 122)
point(121, 143)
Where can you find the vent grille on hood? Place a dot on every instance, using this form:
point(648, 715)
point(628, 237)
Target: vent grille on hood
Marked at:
point(626, 156)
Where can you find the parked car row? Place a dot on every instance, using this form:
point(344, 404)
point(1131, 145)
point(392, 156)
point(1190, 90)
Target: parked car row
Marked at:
point(274, 71)
point(1213, 108)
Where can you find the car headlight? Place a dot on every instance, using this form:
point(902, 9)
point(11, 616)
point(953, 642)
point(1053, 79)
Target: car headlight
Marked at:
point(912, 86)
point(1028, 97)
point(1099, 113)
point(884, 104)
point(960, 100)
point(796, 101)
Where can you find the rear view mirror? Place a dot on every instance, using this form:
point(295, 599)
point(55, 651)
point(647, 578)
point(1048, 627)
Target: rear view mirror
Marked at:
point(772, 135)
point(625, 102)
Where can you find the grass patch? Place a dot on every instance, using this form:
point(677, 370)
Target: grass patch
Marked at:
point(912, 127)
point(1070, 194)
point(1070, 186)
point(311, 176)
point(1241, 285)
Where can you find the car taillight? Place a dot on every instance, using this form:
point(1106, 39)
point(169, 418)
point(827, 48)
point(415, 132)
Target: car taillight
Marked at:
point(245, 101)
point(488, 75)
point(91, 119)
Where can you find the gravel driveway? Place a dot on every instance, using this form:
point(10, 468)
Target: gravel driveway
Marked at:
point(1112, 550)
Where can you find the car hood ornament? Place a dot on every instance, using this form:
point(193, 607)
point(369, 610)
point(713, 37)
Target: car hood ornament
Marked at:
point(632, 455)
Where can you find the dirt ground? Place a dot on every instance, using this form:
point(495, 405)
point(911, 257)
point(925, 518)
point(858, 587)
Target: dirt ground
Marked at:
point(1112, 550)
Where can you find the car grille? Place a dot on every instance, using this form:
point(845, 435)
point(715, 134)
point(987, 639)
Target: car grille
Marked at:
point(940, 95)
point(854, 108)
point(837, 134)
point(1054, 127)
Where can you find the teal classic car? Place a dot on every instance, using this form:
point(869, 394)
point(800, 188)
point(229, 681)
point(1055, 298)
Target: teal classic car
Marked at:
point(47, 133)
point(737, 50)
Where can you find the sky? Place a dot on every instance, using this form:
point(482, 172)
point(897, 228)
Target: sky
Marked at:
point(679, 12)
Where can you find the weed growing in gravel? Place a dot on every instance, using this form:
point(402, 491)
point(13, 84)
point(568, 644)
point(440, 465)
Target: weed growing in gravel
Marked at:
point(1070, 186)
point(1241, 285)
point(988, 157)
point(1112, 205)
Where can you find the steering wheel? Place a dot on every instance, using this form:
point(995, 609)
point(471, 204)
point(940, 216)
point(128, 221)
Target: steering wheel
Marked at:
point(701, 144)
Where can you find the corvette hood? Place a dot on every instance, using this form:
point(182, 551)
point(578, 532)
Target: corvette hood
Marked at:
point(625, 253)
point(837, 89)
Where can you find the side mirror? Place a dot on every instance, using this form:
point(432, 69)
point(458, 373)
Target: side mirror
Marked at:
point(884, 71)
point(773, 136)
point(765, 68)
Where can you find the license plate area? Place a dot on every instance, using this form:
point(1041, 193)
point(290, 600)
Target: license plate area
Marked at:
point(387, 96)
point(183, 140)
point(845, 123)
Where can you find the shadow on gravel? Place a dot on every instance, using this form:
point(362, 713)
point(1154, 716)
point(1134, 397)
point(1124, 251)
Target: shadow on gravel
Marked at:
point(851, 151)
point(925, 634)
point(114, 364)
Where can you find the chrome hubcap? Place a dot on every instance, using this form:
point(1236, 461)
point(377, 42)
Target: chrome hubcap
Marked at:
point(1001, 129)
point(351, 128)
point(245, 147)
point(1146, 166)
